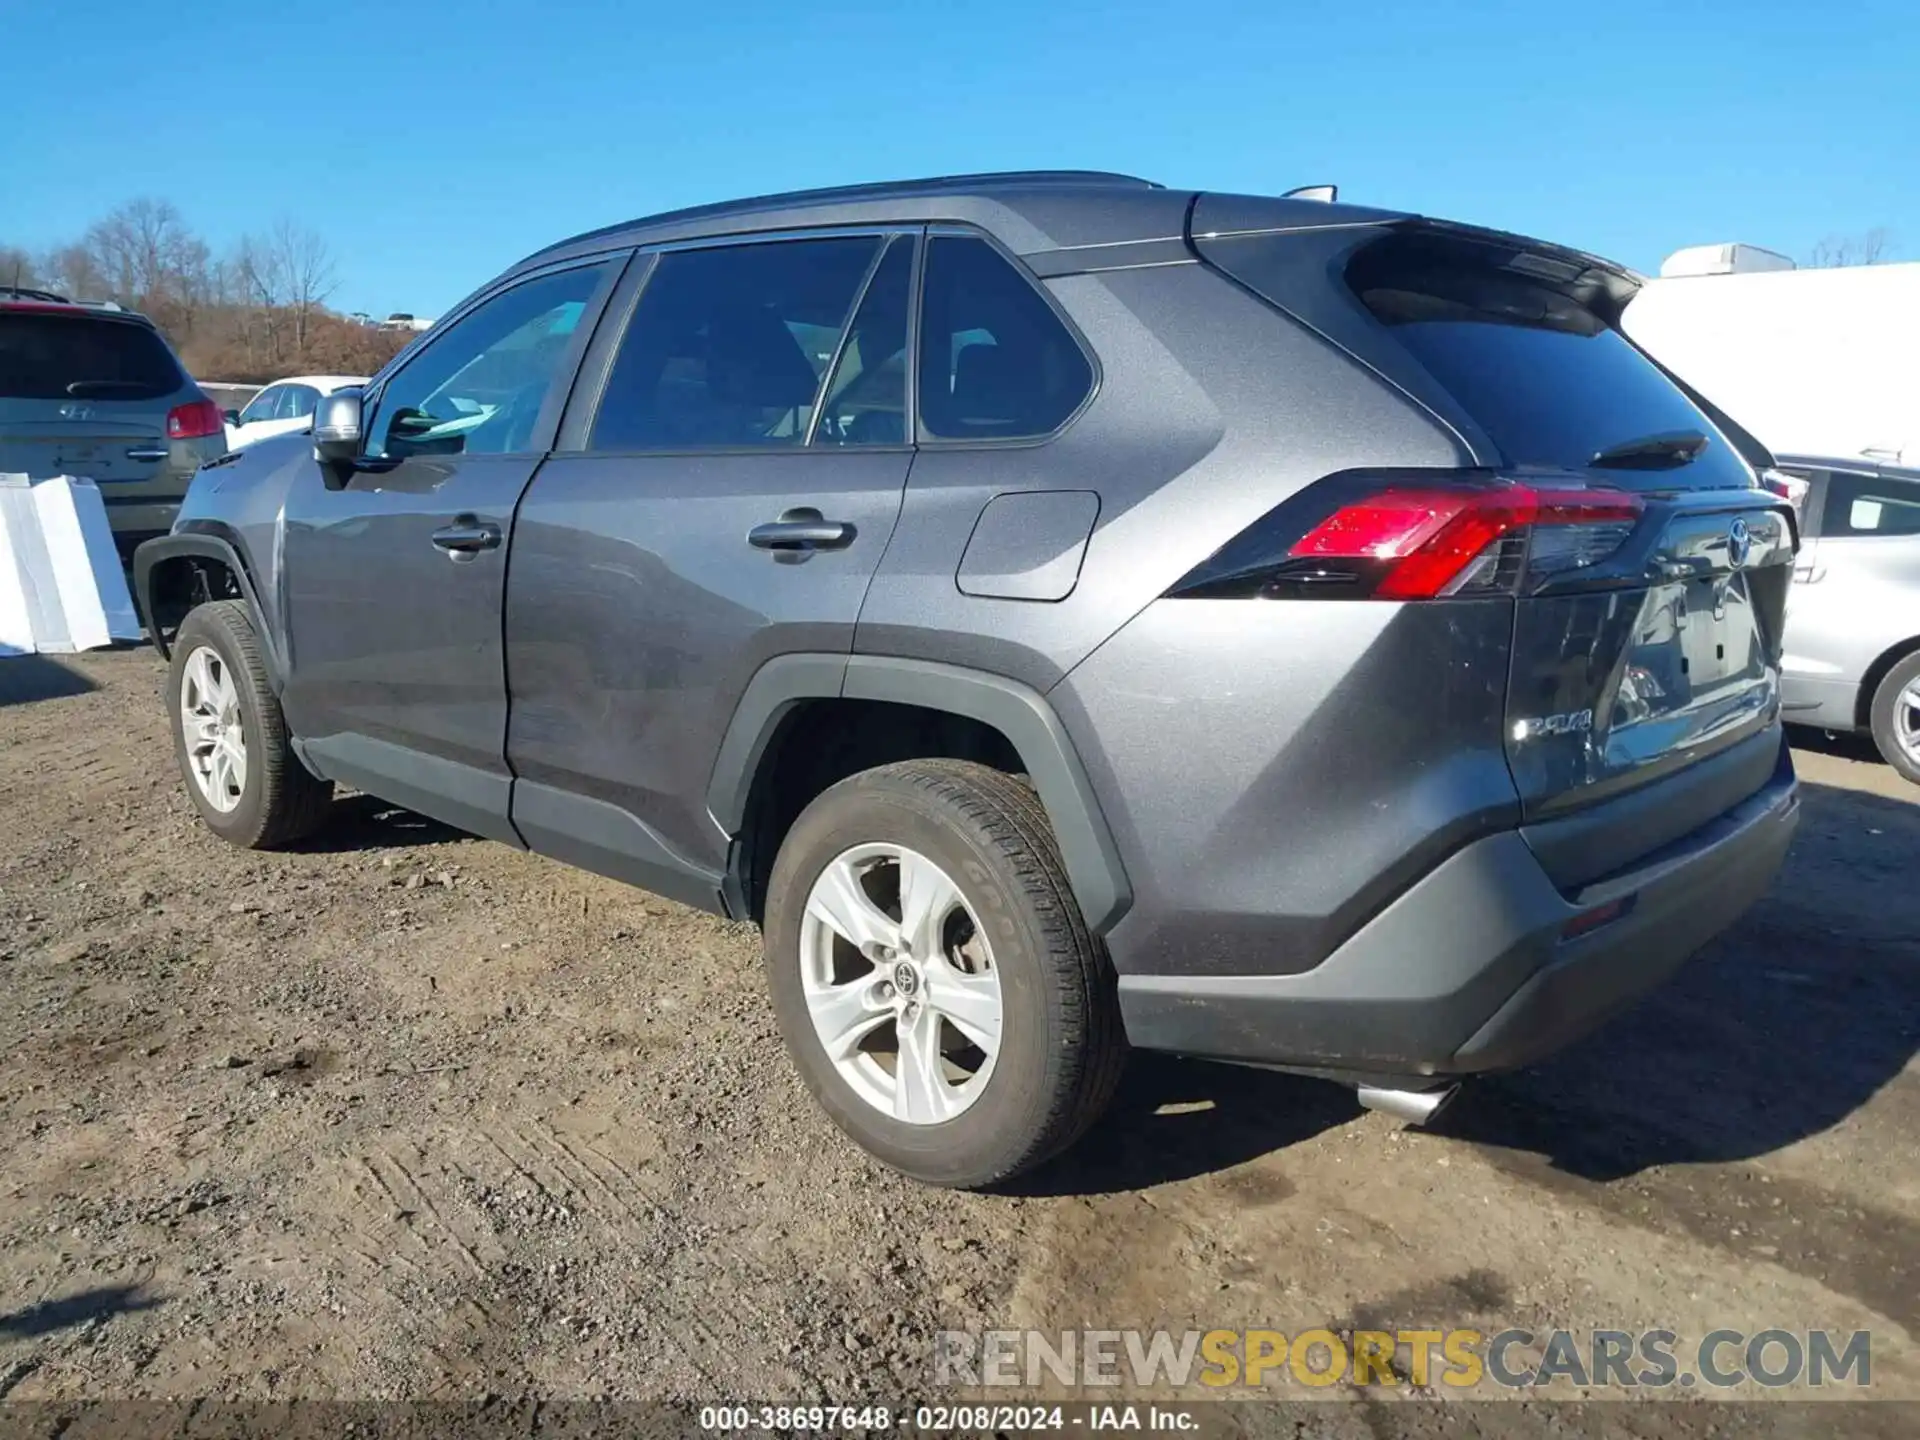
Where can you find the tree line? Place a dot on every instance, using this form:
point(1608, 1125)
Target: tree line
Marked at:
point(255, 313)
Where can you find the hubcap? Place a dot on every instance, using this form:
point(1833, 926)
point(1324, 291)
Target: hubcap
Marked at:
point(900, 983)
point(216, 742)
point(1906, 720)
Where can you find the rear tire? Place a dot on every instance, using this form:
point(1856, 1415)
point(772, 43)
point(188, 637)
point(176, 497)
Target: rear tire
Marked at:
point(231, 739)
point(1895, 717)
point(981, 840)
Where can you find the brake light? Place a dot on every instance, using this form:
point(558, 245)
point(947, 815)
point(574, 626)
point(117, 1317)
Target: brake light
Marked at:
point(1418, 541)
point(195, 420)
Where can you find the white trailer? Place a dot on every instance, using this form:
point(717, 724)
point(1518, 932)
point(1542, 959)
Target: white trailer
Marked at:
point(1813, 362)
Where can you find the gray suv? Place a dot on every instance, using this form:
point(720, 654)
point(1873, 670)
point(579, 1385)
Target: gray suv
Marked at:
point(1063, 612)
point(95, 391)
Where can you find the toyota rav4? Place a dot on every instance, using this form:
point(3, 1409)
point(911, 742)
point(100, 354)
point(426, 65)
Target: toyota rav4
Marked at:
point(1063, 612)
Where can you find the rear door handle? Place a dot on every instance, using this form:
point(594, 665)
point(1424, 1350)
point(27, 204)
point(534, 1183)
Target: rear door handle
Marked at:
point(467, 537)
point(146, 452)
point(802, 529)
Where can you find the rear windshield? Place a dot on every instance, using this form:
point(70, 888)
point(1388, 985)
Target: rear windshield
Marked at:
point(1549, 381)
point(66, 357)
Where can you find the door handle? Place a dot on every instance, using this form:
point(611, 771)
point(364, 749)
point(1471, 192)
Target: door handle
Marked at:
point(467, 537)
point(146, 452)
point(802, 529)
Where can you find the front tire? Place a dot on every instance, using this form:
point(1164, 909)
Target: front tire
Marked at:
point(933, 977)
point(231, 739)
point(1895, 717)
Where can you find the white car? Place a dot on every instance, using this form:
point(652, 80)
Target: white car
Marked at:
point(283, 407)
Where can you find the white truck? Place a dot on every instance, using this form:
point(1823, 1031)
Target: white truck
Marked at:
point(1812, 361)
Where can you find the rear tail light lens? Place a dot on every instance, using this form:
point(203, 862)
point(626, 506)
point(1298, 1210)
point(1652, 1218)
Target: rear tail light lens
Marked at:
point(194, 420)
point(1423, 542)
point(1790, 488)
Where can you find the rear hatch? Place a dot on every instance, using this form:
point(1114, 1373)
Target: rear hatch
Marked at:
point(1649, 571)
point(83, 394)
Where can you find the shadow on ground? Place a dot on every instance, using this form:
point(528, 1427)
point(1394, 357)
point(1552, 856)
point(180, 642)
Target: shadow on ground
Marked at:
point(71, 1310)
point(361, 822)
point(1175, 1119)
point(27, 678)
point(1777, 1031)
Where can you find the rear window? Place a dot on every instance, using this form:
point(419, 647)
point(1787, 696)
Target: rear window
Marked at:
point(1550, 382)
point(62, 357)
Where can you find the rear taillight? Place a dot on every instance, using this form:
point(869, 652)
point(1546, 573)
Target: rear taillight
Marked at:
point(194, 420)
point(1420, 542)
point(1790, 488)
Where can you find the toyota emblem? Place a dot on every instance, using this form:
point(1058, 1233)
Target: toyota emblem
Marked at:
point(1739, 544)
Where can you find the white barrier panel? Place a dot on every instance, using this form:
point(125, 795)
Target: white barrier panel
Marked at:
point(61, 585)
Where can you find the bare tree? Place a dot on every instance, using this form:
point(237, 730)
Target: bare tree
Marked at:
point(1868, 248)
point(149, 259)
point(286, 276)
point(307, 274)
point(17, 267)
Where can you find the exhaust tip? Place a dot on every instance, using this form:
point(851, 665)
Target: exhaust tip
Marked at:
point(1414, 1107)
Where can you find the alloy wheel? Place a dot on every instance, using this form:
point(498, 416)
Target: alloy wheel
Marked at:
point(216, 741)
point(900, 983)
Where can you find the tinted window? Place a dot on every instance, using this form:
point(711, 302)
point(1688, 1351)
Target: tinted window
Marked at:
point(866, 400)
point(995, 361)
point(298, 402)
point(478, 388)
point(727, 345)
point(1869, 505)
point(61, 357)
point(1549, 381)
point(264, 406)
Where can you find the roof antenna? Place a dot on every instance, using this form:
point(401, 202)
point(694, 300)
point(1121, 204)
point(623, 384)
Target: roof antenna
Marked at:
point(1326, 194)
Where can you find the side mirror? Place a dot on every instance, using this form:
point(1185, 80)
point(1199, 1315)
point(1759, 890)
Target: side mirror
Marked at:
point(232, 417)
point(336, 427)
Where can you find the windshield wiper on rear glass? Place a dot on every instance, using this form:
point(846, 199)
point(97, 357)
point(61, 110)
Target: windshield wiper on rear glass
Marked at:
point(1653, 452)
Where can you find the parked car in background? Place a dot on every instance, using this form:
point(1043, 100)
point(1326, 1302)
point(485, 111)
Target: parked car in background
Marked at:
point(1852, 658)
point(1062, 611)
point(283, 407)
point(95, 391)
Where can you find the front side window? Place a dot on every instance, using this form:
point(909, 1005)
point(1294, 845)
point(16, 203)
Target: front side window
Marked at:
point(479, 387)
point(1870, 505)
point(263, 406)
point(996, 362)
point(727, 345)
point(298, 402)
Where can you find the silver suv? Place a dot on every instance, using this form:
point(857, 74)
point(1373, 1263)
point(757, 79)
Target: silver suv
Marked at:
point(94, 391)
point(1062, 611)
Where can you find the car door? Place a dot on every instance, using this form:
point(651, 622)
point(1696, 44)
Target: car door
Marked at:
point(724, 498)
point(394, 567)
point(1856, 589)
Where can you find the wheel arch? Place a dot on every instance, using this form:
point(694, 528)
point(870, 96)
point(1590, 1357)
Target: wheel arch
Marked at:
point(1016, 713)
point(1877, 672)
point(160, 563)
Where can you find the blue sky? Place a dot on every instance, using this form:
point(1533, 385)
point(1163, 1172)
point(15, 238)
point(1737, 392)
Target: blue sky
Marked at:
point(433, 144)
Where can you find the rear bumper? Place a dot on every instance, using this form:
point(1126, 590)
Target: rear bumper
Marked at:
point(1468, 971)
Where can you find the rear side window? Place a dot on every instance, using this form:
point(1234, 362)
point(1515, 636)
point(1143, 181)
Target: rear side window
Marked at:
point(727, 346)
point(996, 362)
point(1870, 505)
point(1549, 381)
point(61, 357)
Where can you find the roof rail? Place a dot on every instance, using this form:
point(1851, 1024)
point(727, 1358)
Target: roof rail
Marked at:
point(877, 190)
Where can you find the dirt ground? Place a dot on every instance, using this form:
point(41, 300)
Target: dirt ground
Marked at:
point(411, 1115)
